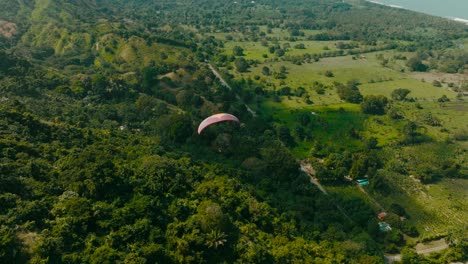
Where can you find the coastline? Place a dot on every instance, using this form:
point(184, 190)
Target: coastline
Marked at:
point(394, 6)
point(457, 19)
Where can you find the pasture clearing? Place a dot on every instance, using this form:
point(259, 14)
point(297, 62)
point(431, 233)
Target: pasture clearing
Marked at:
point(332, 126)
point(373, 78)
point(254, 50)
point(444, 78)
point(385, 130)
point(434, 208)
point(344, 69)
point(419, 90)
point(452, 116)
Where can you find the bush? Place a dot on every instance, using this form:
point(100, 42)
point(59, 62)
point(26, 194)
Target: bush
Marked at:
point(241, 65)
point(443, 99)
point(329, 74)
point(436, 83)
point(349, 92)
point(374, 104)
point(299, 46)
point(238, 51)
point(400, 94)
point(415, 64)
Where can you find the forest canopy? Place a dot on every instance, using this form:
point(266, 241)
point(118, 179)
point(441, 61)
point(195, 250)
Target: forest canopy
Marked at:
point(101, 162)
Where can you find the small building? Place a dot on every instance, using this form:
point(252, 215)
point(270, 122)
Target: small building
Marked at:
point(362, 182)
point(384, 227)
point(381, 215)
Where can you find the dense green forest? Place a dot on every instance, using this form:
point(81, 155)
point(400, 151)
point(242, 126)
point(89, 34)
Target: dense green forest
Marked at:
point(101, 162)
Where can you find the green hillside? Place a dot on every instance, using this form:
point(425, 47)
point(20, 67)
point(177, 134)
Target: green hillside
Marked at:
point(101, 162)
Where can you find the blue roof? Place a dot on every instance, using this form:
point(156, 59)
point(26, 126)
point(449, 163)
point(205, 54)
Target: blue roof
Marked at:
point(384, 227)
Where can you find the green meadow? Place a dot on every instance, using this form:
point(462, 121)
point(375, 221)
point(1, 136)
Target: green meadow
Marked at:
point(331, 125)
point(419, 90)
point(434, 208)
point(255, 50)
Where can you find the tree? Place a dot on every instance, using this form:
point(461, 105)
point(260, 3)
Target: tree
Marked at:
point(458, 237)
point(280, 162)
point(300, 91)
point(238, 51)
point(430, 119)
point(371, 143)
point(285, 136)
point(283, 69)
point(409, 256)
point(415, 64)
point(174, 127)
point(365, 164)
point(149, 75)
point(335, 167)
point(443, 99)
point(266, 71)
point(215, 239)
point(241, 64)
point(397, 209)
point(280, 52)
point(9, 246)
point(286, 90)
point(400, 94)
point(374, 104)
point(299, 132)
point(299, 46)
point(349, 92)
point(304, 118)
point(436, 83)
point(410, 132)
point(99, 82)
point(329, 73)
point(105, 254)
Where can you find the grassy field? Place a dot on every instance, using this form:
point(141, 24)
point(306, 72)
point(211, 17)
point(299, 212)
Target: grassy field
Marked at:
point(344, 69)
point(374, 78)
point(130, 54)
point(330, 125)
point(419, 90)
point(276, 33)
point(452, 117)
point(434, 208)
point(443, 78)
point(335, 120)
point(255, 50)
point(385, 130)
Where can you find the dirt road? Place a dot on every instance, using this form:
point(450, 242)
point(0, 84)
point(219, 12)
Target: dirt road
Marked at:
point(224, 83)
point(421, 248)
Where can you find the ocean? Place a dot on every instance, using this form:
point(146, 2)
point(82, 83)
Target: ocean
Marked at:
point(454, 9)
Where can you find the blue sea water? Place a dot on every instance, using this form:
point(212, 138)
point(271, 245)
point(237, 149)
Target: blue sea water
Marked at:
point(443, 8)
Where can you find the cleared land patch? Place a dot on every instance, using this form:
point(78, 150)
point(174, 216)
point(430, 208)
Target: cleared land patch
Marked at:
point(419, 90)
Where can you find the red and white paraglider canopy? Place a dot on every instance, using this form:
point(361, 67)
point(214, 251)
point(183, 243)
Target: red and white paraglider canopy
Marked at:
point(215, 119)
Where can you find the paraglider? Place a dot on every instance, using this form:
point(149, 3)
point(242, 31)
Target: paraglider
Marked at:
point(215, 119)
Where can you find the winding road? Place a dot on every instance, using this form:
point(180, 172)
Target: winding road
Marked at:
point(439, 245)
point(309, 170)
point(429, 247)
point(224, 83)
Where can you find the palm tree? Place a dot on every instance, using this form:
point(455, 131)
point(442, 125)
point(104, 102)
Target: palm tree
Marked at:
point(215, 239)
